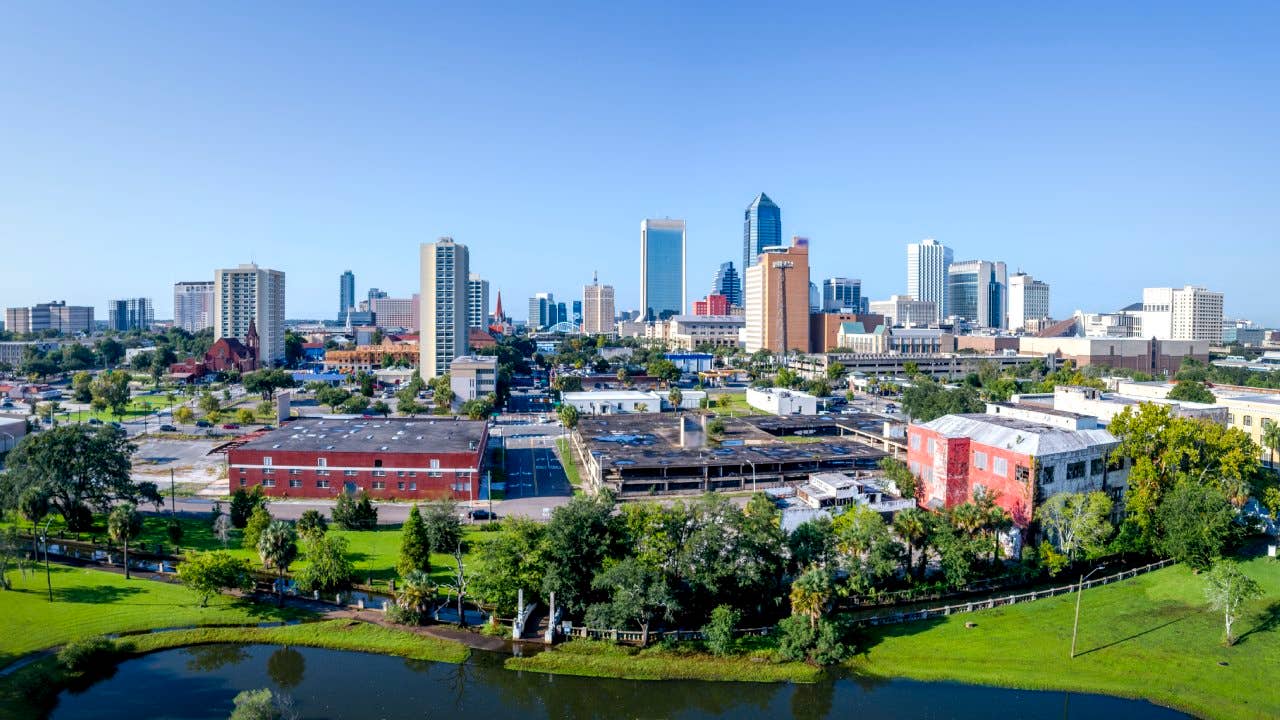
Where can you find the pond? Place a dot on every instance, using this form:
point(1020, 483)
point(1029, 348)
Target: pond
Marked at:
point(199, 683)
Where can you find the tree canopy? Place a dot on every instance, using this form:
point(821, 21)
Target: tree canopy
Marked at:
point(81, 467)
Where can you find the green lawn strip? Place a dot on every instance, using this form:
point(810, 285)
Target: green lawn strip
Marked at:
point(93, 602)
point(594, 658)
point(569, 461)
point(1151, 637)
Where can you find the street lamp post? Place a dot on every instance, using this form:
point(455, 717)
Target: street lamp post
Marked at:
point(1075, 627)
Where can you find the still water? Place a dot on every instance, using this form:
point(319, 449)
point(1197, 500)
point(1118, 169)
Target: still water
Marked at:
point(199, 683)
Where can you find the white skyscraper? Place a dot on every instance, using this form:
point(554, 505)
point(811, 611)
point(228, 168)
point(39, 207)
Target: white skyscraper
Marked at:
point(247, 295)
point(477, 301)
point(193, 305)
point(1186, 313)
point(443, 314)
point(927, 264)
point(1028, 300)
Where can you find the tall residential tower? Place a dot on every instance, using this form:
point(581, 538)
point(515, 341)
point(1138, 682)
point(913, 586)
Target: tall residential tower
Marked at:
point(246, 295)
point(443, 313)
point(193, 305)
point(477, 301)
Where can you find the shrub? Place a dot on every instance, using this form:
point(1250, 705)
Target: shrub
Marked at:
point(258, 522)
point(719, 632)
point(81, 655)
point(311, 523)
point(255, 705)
point(819, 643)
point(174, 529)
point(355, 514)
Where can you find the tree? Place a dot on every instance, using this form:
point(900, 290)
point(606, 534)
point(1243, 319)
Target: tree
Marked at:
point(912, 525)
point(352, 513)
point(897, 472)
point(278, 548)
point(835, 371)
point(569, 416)
point(110, 391)
point(79, 466)
point(311, 523)
point(818, 643)
point(184, 415)
point(328, 568)
point(243, 503)
point(870, 552)
point(124, 524)
point(82, 387)
point(293, 348)
point(245, 416)
point(1227, 589)
point(267, 382)
point(927, 400)
point(258, 521)
point(675, 397)
point(811, 593)
point(812, 543)
point(1193, 523)
point(355, 405)
point(1076, 523)
point(637, 594)
point(715, 427)
point(209, 573)
point(664, 370)
point(1271, 438)
point(718, 634)
point(512, 560)
point(334, 397)
point(442, 525)
point(415, 545)
point(382, 408)
point(1192, 391)
point(416, 593)
point(110, 351)
point(11, 549)
point(175, 531)
point(578, 539)
point(478, 408)
point(222, 529)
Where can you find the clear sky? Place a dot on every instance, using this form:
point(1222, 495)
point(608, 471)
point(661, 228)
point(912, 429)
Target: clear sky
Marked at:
point(1101, 147)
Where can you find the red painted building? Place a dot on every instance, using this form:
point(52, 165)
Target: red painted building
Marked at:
point(391, 458)
point(712, 304)
point(1021, 455)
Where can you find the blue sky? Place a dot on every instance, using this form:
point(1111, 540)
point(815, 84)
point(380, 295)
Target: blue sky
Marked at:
point(1101, 147)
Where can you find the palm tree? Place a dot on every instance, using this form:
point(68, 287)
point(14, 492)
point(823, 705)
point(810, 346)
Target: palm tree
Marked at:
point(278, 548)
point(1271, 438)
point(810, 594)
point(912, 525)
point(676, 397)
point(968, 518)
point(123, 525)
point(416, 593)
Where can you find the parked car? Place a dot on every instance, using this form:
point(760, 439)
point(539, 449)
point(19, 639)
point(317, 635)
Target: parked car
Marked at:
point(95, 421)
point(203, 423)
point(116, 425)
point(480, 514)
point(231, 426)
point(168, 428)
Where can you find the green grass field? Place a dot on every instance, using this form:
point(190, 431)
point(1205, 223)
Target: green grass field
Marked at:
point(93, 602)
point(593, 658)
point(569, 462)
point(138, 406)
point(1152, 637)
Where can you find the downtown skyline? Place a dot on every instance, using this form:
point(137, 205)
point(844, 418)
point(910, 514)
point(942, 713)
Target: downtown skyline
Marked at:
point(315, 160)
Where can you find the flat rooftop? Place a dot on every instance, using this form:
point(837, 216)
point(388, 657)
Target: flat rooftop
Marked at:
point(390, 435)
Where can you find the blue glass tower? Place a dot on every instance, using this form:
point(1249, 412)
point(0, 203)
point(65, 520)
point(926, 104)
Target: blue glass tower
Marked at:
point(761, 228)
point(728, 283)
point(661, 268)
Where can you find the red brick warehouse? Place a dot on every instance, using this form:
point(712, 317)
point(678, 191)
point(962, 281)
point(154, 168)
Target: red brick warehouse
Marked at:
point(393, 458)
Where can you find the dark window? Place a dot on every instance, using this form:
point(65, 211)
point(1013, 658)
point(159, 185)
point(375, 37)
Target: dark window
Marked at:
point(1096, 466)
point(1021, 473)
point(377, 463)
point(1046, 474)
point(1075, 470)
point(1116, 463)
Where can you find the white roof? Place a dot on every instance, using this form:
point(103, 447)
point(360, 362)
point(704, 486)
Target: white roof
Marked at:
point(1020, 436)
point(609, 396)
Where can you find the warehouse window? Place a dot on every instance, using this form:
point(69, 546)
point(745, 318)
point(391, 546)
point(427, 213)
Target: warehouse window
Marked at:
point(1075, 470)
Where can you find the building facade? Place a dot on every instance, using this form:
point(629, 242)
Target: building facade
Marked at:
point(1185, 313)
point(1028, 300)
point(473, 376)
point(1157, 357)
point(712, 304)
point(728, 282)
point(193, 305)
point(766, 303)
point(688, 332)
point(131, 314)
point(927, 264)
point(662, 268)
point(906, 311)
point(597, 309)
point(249, 295)
point(477, 301)
point(977, 292)
point(395, 313)
point(346, 295)
point(392, 458)
point(761, 228)
point(840, 294)
point(55, 315)
point(443, 311)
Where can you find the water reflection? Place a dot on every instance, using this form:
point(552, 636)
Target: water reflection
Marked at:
point(200, 683)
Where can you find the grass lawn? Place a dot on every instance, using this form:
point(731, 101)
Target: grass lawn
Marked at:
point(138, 406)
point(1152, 637)
point(737, 407)
point(594, 658)
point(569, 461)
point(93, 602)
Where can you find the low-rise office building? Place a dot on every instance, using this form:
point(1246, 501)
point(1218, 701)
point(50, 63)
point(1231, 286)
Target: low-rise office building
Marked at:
point(613, 402)
point(391, 458)
point(780, 401)
point(473, 376)
point(1107, 405)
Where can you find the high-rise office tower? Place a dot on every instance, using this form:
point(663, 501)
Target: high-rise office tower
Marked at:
point(131, 314)
point(597, 308)
point(728, 282)
point(193, 305)
point(246, 295)
point(477, 301)
point(562, 313)
point(542, 311)
point(1028, 300)
point(445, 266)
point(375, 294)
point(767, 304)
point(346, 295)
point(842, 294)
point(1185, 313)
point(396, 312)
point(978, 292)
point(662, 254)
point(761, 228)
point(575, 314)
point(927, 263)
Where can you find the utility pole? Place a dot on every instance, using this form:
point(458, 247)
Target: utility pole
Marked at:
point(782, 266)
point(1079, 592)
point(173, 502)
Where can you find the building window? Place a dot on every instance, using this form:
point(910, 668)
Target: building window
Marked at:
point(266, 461)
point(413, 486)
point(1246, 420)
point(322, 462)
point(915, 442)
point(1097, 466)
point(1046, 474)
point(324, 473)
point(322, 484)
point(980, 460)
point(377, 463)
point(268, 482)
point(267, 471)
point(1075, 470)
point(434, 464)
point(1021, 473)
point(399, 473)
point(379, 473)
point(1000, 467)
point(931, 446)
point(243, 482)
point(295, 472)
point(379, 485)
point(399, 486)
point(295, 483)
point(349, 473)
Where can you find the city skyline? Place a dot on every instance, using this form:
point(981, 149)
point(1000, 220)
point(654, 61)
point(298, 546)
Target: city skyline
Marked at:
point(1019, 152)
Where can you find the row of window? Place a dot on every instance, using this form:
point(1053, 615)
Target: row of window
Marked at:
point(377, 484)
point(324, 462)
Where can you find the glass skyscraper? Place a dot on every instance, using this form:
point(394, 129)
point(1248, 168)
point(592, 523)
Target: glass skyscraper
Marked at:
point(728, 283)
point(761, 228)
point(346, 295)
point(662, 268)
point(977, 292)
